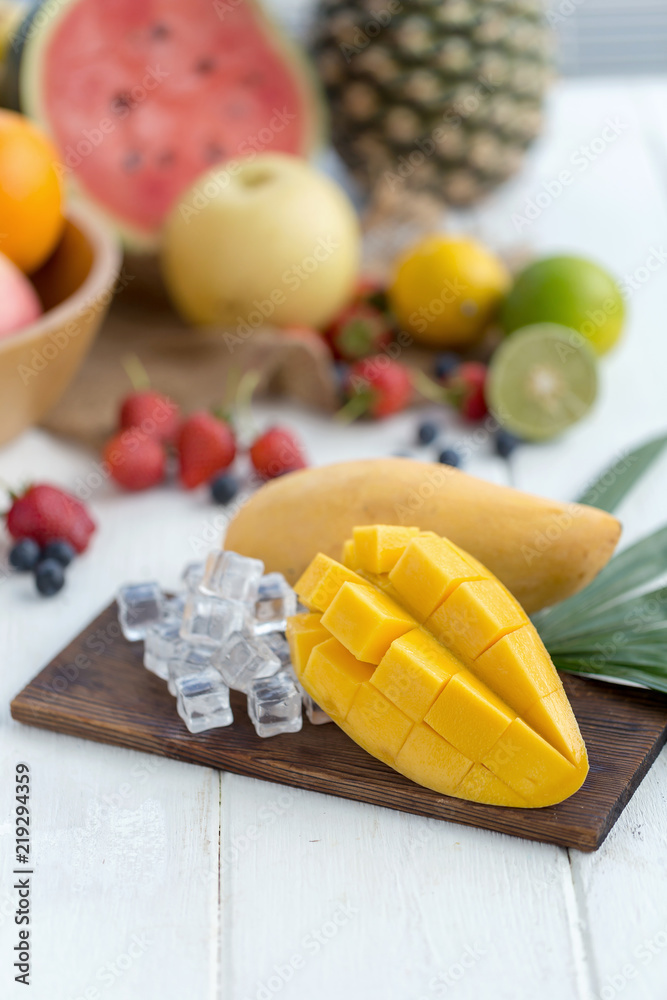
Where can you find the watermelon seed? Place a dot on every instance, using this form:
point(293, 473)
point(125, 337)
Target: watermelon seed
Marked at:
point(132, 161)
point(160, 31)
point(253, 79)
point(121, 102)
point(213, 152)
point(206, 65)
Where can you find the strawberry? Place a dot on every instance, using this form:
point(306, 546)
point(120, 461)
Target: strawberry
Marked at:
point(275, 452)
point(206, 446)
point(153, 413)
point(359, 330)
point(465, 389)
point(378, 386)
point(135, 462)
point(47, 514)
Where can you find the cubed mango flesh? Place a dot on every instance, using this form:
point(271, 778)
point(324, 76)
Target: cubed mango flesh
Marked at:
point(304, 632)
point(366, 621)
point(467, 703)
point(428, 571)
point(336, 675)
point(350, 555)
point(378, 547)
point(469, 715)
point(413, 672)
point(322, 580)
point(473, 617)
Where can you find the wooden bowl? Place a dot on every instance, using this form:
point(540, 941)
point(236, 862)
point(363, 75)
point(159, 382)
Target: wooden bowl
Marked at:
point(75, 285)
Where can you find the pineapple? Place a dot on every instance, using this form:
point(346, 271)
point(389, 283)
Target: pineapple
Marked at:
point(437, 96)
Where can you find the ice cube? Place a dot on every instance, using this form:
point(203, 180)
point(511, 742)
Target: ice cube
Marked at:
point(232, 576)
point(276, 602)
point(202, 701)
point(241, 660)
point(188, 660)
point(316, 715)
point(174, 608)
point(193, 574)
point(139, 606)
point(211, 620)
point(279, 646)
point(274, 705)
point(163, 642)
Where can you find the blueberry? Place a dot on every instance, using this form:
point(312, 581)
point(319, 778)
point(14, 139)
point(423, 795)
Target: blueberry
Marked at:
point(427, 432)
point(446, 363)
point(59, 550)
point(506, 442)
point(449, 456)
point(224, 488)
point(49, 577)
point(24, 554)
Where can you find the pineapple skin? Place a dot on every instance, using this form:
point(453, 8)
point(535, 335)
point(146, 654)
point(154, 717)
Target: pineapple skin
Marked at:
point(437, 96)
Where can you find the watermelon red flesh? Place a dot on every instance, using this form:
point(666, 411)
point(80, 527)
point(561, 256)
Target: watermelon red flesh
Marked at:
point(143, 96)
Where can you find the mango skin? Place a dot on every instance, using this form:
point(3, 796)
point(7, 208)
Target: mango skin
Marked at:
point(542, 550)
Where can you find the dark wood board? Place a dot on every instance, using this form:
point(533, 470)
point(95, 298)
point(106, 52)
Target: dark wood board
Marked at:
point(97, 688)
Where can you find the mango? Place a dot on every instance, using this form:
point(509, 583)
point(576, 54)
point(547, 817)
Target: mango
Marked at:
point(542, 550)
point(424, 658)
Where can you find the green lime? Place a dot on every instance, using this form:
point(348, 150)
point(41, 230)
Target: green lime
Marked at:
point(572, 291)
point(541, 380)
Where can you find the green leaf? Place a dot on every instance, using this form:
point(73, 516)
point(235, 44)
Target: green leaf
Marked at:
point(648, 676)
point(636, 567)
point(617, 480)
point(617, 626)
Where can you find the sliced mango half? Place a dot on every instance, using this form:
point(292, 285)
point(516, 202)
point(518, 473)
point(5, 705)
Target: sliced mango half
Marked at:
point(424, 659)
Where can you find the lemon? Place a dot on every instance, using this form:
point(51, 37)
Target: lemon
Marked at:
point(541, 380)
point(446, 290)
point(571, 291)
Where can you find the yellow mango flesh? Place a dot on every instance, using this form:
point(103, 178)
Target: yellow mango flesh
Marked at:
point(423, 658)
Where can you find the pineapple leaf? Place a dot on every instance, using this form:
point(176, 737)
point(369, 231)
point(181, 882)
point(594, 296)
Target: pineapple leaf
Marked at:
point(610, 488)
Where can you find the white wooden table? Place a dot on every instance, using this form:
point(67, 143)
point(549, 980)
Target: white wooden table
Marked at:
point(156, 879)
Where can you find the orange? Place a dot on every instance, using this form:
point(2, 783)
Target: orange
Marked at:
point(31, 194)
point(446, 290)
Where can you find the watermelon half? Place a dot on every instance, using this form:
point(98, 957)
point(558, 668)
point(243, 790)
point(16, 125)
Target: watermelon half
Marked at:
point(143, 96)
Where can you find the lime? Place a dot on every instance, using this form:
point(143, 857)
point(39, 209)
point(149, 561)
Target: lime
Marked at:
point(541, 380)
point(572, 291)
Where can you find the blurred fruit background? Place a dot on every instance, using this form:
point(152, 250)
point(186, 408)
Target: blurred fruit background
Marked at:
point(309, 203)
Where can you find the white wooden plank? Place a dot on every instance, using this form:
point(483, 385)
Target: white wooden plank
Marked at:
point(616, 213)
point(425, 908)
point(126, 844)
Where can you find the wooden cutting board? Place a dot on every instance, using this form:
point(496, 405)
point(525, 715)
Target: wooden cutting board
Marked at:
point(97, 688)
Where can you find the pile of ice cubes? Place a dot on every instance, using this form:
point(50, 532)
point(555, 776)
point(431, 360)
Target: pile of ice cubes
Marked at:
point(225, 630)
